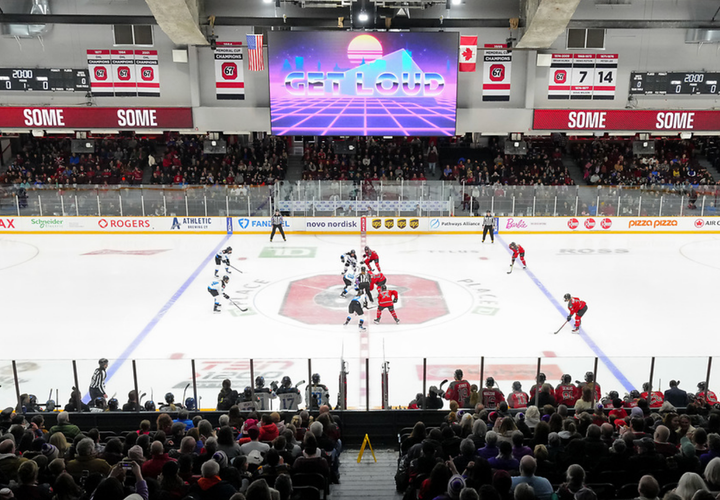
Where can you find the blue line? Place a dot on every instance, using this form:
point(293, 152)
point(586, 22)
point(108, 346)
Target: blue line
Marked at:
point(589, 341)
point(161, 313)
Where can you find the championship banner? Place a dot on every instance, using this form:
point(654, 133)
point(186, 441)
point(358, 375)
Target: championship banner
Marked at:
point(147, 73)
point(468, 53)
point(605, 76)
point(229, 76)
point(122, 63)
point(101, 81)
point(560, 69)
point(583, 74)
point(496, 73)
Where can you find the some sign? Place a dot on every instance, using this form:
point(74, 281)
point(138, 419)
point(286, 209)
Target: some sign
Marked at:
point(626, 119)
point(86, 118)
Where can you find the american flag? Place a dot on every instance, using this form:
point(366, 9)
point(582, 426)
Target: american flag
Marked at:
point(255, 53)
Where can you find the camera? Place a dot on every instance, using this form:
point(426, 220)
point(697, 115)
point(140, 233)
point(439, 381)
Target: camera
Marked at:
point(126, 464)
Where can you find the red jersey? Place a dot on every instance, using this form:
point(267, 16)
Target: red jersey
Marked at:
point(534, 389)
point(598, 393)
point(388, 298)
point(376, 278)
point(656, 399)
point(575, 305)
point(711, 398)
point(618, 413)
point(491, 397)
point(459, 391)
point(566, 394)
point(518, 251)
point(371, 256)
point(518, 400)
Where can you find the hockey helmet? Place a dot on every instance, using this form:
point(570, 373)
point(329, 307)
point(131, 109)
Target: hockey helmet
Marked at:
point(113, 404)
point(247, 392)
point(433, 390)
point(383, 288)
point(646, 386)
point(589, 376)
point(367, 248)
point(635, 394)
point(228, 250)
point(362, 269)
point(458, 374)
point(541, 378)
point(566, 378)
point(50, 405)
point(512, 245)
point(286, 382)
point(32, 399)
point(99, 402)
point(315, 378)
point(517, 386)
point(102, 361)
point(613, 395)
point(701, 385)
point(489, 382)
point(567, 297)
point(225, 279)
point(169, 398)
point(352, 252)
point(260, 381)
point(190, 403)
point(149, 406)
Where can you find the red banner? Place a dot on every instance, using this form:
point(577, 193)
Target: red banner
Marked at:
point(87, 118)
point(626, 119)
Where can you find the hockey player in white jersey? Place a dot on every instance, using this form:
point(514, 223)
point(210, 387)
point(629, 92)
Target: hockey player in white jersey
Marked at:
point(288, 395)
point(264, 394)
point(245, 401)
point(222, 259)
point(348, 279)
point(349, 259)
point(217, 287)
point(316, 393)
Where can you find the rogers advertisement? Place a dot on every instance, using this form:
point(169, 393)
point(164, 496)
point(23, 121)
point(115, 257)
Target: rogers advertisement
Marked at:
point(626, 119)
point(84, 118)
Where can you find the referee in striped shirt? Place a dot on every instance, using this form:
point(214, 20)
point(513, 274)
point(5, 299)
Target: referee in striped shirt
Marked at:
point(489, 226)
point(277, 225)
point(97, 384)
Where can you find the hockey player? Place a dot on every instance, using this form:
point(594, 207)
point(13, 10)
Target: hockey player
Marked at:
point(387, 300)
point(356, 307)
point(288, 395)
point(371, 256)
point(377, 279)
point(316, 393)
point(363, 284)
point(536, 387)
point(459, 390)
point(216, 288)
point(349, 259)
point(518, 399)
point(566, 392)
point(491, 397)
point(246, 402)
point(263, 394)
point(589, 382)
point(577, 307)
point(518, 251)
point(348, 279)
point(169, 404)
point(655, 399)
point(222, 258)
point(705, 397)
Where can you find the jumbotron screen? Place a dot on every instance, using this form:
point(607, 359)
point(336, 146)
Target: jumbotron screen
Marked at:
point(351, 83)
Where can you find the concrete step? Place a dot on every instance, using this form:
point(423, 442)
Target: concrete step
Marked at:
point(367, 479)
point(704, 162)
point(294, 168)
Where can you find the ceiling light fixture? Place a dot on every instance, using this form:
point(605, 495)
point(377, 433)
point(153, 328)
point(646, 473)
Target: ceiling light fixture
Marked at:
point(456, 2)
point(363, 16)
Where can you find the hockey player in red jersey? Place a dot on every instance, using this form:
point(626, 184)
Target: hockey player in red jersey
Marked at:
point(491, 397)
point(518, 251)
point(518, 399)
point(387, 300)
point(655, 398)
point(589, 382)
point(371, 256)
point(577, 307)
point(378, 279)
point(459, 390)
point(705, 397)
point(536, 387)
point(566, 392)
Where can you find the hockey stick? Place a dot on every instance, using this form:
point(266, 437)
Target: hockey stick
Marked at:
point(511, 268)
point(558, 330)
point(184, 392)
point(238, 270)
point(233, 303)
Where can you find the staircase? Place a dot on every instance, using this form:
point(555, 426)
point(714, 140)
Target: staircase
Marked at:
point(704, 162)
point(295, 168)
point(367, 479)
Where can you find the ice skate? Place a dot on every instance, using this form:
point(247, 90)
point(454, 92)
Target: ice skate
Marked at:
point(576, 329)
point(343, 294)
point(397, 321)
point(376, 321)
point(346, 322)
point(216, 309)
point(362, 328)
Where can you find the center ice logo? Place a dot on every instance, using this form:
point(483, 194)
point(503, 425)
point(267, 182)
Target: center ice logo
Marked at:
point(243, 223)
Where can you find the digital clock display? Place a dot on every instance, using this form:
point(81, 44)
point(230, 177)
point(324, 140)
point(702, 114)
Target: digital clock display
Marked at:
point(689, 83)
point(44, 80)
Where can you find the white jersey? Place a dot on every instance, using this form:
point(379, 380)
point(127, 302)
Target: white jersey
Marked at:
point(349, 274)
point(217, 285)
point(290, 400)
point(349, 260)
point(317, 395)
point(264, 398)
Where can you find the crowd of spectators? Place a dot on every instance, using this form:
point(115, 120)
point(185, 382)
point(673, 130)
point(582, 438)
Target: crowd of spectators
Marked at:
point(261, 162)
point(49, 162)
point(246, 457)
point(532, 447)
point(611, 162)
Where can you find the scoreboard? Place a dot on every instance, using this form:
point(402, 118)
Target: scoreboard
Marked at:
point(689, 83)
point(44, 80)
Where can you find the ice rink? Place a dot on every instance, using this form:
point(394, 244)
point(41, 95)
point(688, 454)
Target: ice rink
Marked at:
point(145, 297)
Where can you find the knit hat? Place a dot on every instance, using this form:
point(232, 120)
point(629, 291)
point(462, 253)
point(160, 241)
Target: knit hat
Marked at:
point(455, 486)
point(50, 451)
point(221, 458)
point(255, 457)
point(136, 454)
point(637, 412)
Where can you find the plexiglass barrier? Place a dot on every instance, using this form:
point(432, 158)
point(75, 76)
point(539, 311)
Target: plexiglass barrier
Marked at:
point(355, 383)
point(348, 198)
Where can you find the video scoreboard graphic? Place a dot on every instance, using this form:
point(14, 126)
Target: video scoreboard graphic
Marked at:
point(344, 83)
point(675, 83)
point(44, 80)
point(583, 76)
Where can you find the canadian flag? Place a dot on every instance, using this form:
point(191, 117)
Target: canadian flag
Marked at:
point(468, 53)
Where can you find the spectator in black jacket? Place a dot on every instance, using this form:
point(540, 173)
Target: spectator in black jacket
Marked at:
point(676, 396)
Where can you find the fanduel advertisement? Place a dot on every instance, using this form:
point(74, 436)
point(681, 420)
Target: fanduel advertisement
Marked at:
point(345, 83)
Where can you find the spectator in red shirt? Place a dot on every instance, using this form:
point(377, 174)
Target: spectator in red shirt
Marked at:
point(268, 429)
point(153, 467)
